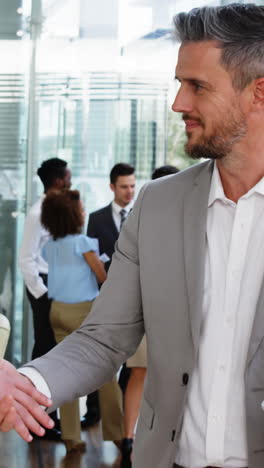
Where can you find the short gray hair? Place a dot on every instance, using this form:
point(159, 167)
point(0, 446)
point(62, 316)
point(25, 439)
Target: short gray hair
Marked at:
point(239, 31)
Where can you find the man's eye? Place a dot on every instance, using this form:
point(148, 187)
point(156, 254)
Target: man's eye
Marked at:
point(197, 86)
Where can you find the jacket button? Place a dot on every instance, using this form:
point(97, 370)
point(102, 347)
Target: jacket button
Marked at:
point(185, 378)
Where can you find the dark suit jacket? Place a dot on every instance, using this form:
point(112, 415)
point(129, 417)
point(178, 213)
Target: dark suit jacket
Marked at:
point(101, 225)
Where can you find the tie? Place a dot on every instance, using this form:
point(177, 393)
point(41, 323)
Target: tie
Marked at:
point(123, 215)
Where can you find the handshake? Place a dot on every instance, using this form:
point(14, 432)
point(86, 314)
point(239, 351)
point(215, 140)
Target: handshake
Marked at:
point(22, 406)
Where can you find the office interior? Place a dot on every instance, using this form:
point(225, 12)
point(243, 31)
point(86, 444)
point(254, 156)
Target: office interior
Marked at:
point(92, 83)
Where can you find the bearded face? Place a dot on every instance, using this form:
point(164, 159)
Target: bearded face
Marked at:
point(214, 112)
point(226, 130)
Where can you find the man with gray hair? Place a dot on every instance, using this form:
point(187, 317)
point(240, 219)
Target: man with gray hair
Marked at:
point(188, 270)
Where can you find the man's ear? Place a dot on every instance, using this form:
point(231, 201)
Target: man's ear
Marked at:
point(58, 183)
point(112, 187)
point(258, 99)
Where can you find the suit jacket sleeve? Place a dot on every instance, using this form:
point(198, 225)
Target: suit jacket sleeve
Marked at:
point(92, 355)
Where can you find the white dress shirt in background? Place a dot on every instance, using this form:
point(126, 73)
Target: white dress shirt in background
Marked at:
point(30, 260)
point(214, 426)
point(116, 212)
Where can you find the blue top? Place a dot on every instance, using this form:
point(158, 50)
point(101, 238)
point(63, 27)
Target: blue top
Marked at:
point(70, 279)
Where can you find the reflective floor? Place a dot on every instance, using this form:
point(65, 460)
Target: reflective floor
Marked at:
point(15, 453)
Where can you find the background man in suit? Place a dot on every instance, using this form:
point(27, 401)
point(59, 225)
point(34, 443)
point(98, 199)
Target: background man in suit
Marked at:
point(193, 249)
point(105, 225)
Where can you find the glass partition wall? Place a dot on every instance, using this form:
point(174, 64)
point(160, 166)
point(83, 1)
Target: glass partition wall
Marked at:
point(13, 138)
point(90, 82)
point(78, 93)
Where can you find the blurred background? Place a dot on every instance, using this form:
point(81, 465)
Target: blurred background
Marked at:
point(90, 82)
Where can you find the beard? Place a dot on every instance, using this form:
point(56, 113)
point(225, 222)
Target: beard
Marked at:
point(220, 143)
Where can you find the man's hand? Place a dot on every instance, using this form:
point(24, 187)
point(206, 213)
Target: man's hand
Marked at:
point(7, 414)
point(20, 404)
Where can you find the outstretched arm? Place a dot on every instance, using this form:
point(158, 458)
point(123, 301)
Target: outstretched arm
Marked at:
point(20, 404)
point(96, 265)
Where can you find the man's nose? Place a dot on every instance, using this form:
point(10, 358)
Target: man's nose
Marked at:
point(182, 102)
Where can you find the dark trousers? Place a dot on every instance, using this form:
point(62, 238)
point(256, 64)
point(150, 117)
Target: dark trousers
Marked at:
point(124, 377)
point(43, 333)
point(92, 404)
point(44, 339)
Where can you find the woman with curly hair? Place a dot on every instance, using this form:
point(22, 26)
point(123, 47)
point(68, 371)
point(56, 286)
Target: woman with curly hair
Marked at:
point(74, 269)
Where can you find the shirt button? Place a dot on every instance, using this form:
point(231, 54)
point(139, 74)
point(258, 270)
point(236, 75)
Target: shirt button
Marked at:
point(185, 378)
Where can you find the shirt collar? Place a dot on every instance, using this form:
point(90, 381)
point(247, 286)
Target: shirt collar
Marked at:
point(258, 188)
point(217, 191)
point(117, 208)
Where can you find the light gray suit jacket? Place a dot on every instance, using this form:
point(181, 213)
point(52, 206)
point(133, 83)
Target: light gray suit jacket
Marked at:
point(155, 284)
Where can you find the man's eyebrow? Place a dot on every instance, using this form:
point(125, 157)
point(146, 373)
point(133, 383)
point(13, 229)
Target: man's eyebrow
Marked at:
point(191, 80)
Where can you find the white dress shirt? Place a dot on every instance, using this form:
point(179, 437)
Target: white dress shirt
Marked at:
point(30, 260)
point(116, 212)
point(214, 425)
point(37, 380)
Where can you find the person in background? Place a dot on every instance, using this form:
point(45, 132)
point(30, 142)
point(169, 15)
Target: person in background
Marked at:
point(74, 269)
point(54, 175)
point(137, 364)
point(165, 170)
point(105, 225)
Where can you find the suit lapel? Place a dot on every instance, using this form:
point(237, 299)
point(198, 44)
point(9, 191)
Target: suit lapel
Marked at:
point(195, 217)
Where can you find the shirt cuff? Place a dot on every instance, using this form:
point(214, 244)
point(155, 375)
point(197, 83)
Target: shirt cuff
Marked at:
point(38, 289)
point(37, 379)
